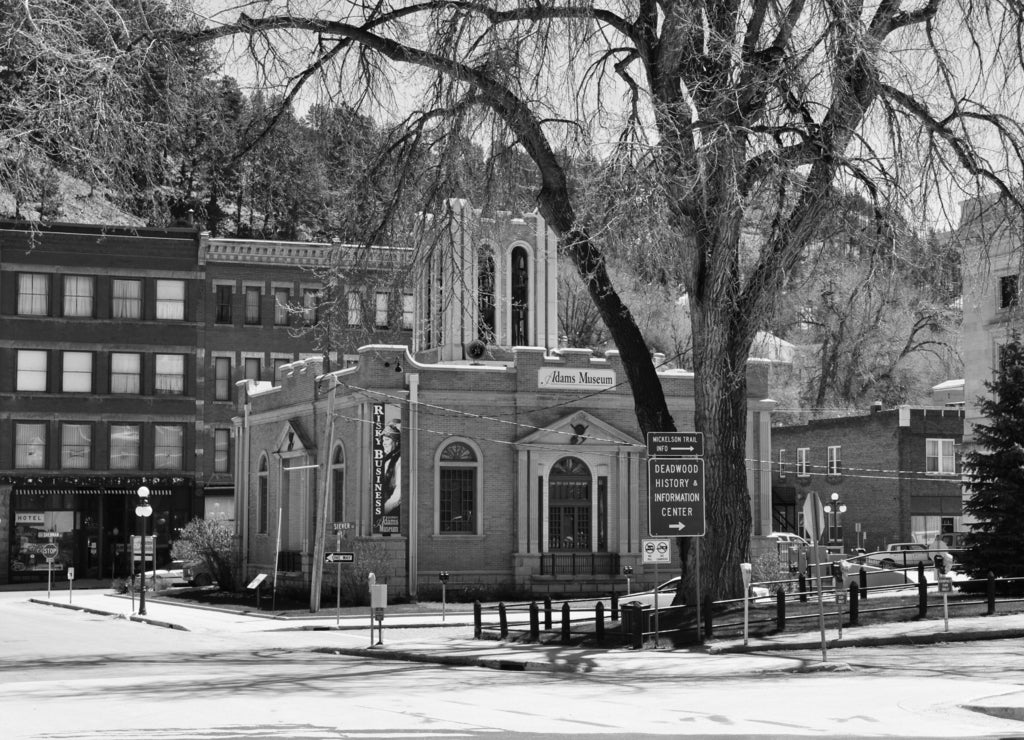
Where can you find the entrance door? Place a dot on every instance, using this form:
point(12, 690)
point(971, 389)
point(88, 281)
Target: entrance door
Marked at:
point(570, 506)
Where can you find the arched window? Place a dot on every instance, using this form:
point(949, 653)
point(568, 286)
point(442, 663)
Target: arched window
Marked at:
point(458, 489)
point(570, 505)
point(485, 297)
point(338, 484)
point(262, 497)
point(520, 296)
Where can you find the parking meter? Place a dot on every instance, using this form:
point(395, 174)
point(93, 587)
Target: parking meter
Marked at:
point(627, 570)
point(745, 569)
point(443, 578)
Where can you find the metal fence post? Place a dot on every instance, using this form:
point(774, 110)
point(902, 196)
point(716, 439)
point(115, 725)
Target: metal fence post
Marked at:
point(565, 622)
point(478, 620)
point(780, 609)
point(502, 620)
point(547, 612)
point(801, 585)
point(922, 593)
point(863, 583)
point(615, 607)
point(854, 603)
point(990, 592)
point(534, 622)
point(707, 617)
point(599, 621)
point(638, 626)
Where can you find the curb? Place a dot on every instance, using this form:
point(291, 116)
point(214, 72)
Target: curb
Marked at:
point(102, 613)
point(411, 656)
point(867, 641)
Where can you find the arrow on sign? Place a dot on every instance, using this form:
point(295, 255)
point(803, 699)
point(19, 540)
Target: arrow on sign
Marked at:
point(678, 525)
point(339, 557)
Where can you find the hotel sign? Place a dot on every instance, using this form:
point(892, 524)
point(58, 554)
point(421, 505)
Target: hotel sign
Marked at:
point(575, 378)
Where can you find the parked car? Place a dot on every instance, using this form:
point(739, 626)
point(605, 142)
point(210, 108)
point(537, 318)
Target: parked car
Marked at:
point(666, 592)
point(903, 555)
point(170, 575)
point(787, 538)
point(197, 574)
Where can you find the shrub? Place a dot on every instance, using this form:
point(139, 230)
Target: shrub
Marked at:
point(212, 543)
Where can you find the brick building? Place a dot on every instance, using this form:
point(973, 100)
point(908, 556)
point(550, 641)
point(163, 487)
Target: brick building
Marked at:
point(520, 465)
point(896, 470)
point(119, 351)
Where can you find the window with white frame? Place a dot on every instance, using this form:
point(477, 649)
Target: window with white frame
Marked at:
point(170, 300)
point(222, 378)
point(458, 471)
point(33, 294)
point(221, 450)
point(801, 462)
point(279, 362)
point(782, 463)
point(253, 315)
point(76, 369)
point(338, 484)
point(282, 313)
point(124, 446)
point(408, 304)
point(126, 299)
point(125, 372)
point(380, 310)
point(78, 295)
point(29, 445)
point(252, 368)
point(170, 375)
point(168, 444)
point(31, 374)
point(76, 446)
point(355, 309)
point(835, 460)
point(310, 301)
point(939, 457)
point(224, 297)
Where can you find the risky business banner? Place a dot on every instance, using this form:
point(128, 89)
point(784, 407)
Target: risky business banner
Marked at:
point(386, 448)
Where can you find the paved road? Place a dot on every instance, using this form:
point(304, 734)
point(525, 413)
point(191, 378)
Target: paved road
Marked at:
point(68, 674)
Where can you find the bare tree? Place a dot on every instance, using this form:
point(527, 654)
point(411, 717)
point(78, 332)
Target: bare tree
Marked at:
point(88, 86)
point(743, 118)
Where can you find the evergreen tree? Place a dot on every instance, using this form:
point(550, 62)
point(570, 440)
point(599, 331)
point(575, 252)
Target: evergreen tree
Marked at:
point(995, 473)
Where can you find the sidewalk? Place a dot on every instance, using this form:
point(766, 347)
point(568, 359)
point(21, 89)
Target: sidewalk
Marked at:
point(450, 642)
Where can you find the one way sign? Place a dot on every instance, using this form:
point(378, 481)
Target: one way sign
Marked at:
point(339, 557)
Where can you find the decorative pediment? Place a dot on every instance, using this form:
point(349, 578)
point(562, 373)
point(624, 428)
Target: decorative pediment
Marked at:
point(291, 441)
point(579, 430)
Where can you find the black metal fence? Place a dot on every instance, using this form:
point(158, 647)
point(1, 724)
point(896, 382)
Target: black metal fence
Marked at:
point(579, 564)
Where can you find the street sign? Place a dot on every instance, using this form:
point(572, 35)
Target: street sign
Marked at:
point(945, 584)
point(656, 551)
point(49, 551)
point(814, 517)
point(344, 526)
point(71, 574)
point(675, 444)
point(675, 497)
point(339, 557)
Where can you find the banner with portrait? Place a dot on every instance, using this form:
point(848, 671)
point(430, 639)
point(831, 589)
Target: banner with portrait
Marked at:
point(386, 468)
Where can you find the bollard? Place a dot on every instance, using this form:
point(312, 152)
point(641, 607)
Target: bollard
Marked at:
point(547, 612)
point(801, 584)
point(990, 592)
point(707, 617)
point(502, 621)
point(599, 621)
point(922, 593)
point(478, 626)
point(780, 610)
point(637, 634)
point(615, 607)
point(854, 603)
point(534, 622)
point(863, 583)
point(565, 623)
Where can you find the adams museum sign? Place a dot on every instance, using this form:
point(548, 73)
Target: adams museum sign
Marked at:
point(575, 378)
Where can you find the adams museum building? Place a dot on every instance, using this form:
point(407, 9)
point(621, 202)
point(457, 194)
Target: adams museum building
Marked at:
point(483, 450)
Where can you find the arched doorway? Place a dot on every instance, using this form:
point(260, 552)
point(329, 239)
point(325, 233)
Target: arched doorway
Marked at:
point(570, 506)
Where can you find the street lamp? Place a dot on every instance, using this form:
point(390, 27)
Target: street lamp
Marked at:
point(142, 511)
point(835, 507)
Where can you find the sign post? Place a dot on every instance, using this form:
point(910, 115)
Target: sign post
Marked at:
point(814, 521)
point(49, 551)
point(71, 580)
point(656, 551)
point(340, 529)
point(675, 496)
